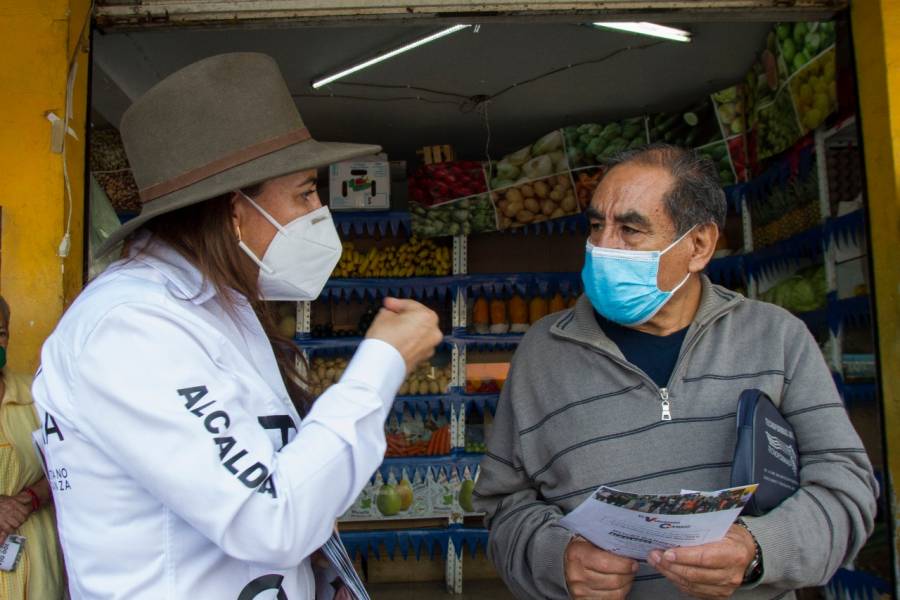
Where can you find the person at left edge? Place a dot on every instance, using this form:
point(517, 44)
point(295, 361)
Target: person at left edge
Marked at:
point(186, 459)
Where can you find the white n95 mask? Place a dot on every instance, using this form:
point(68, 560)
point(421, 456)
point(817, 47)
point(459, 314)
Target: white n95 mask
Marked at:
point(300, 257)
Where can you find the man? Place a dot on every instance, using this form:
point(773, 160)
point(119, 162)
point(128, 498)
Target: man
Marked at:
point(636, 388)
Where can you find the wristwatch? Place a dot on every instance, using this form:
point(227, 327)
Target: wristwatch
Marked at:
point(755, 568)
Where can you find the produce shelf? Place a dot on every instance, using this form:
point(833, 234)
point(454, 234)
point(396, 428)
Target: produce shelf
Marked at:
point(360, 222)
point(433, 542)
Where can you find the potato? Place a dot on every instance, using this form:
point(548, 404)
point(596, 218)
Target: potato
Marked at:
point(512, 208)
point(558, 213)
point(563, 180)
point(557, 195)
point(541, 189)
point(547, 207)
point(503, 204)
point(514, 195)
point(524, 216)
point(404, 389)
point(569, 204)
point(414, 388)
point(540, 218)
point(433, 387)
point(527, 191)
point(505, 223)
point(531, 204)
point(495, 196)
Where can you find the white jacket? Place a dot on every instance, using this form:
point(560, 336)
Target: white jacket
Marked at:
point(178, 465)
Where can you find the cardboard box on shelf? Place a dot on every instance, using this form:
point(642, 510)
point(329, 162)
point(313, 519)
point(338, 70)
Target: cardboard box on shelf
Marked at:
point(361, 184)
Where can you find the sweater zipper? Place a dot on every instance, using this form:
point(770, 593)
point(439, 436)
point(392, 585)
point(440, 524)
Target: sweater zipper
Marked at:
point(664, 401)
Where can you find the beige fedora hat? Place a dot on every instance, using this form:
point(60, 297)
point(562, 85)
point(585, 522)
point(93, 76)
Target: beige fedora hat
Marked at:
point(222, 123)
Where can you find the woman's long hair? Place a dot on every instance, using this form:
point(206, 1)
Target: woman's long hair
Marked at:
point(204, 234)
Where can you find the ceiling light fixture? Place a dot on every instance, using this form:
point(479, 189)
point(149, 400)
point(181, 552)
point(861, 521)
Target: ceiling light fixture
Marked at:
point(651, 29)
point(317, 83)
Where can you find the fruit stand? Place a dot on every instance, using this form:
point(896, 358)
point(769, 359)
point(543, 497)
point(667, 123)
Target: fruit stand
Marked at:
point(495, 245)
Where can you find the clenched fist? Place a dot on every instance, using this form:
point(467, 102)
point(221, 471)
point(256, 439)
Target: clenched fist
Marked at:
point(410, 327)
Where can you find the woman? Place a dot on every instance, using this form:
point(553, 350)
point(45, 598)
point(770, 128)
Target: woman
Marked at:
point(187, 458)
point(25, 503)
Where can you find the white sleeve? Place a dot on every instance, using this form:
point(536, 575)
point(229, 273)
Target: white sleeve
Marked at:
point(151, 389)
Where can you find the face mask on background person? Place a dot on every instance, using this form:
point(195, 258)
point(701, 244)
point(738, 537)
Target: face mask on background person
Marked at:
point(300, 257)
point(622, 284)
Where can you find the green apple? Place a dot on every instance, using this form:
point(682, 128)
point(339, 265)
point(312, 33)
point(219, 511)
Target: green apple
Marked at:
point(389, 501)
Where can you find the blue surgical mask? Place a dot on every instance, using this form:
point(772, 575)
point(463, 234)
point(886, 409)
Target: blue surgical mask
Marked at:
point(621, 284)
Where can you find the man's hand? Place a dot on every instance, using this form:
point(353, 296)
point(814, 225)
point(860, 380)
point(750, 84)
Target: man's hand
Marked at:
point(709, 571)
point(597, 574)
point(408, 326)
point(12, 514)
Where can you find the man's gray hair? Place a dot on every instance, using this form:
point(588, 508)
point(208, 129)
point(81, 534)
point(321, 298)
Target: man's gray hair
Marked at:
point(696, 198)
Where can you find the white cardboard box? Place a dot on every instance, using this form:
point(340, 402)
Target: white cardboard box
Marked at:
point(361, 184)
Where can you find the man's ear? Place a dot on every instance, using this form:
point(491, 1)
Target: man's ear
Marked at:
point(704, 238)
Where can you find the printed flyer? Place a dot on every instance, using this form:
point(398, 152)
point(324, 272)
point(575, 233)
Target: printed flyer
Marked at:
point(632, 525)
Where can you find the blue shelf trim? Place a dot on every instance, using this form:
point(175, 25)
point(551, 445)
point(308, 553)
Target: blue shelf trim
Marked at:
point(727, 270)
point(411, 287)
point(487, 342)
point(849, 311)
point(572, 224)
point(816, 320)
point(433, 542)
point(360, 222)
point(441, 403)
point(456, 462)
point(859, 392)
point(858, 585)
point(338, 346)
point(806, 244)
point(846, 228)
point(527, 284)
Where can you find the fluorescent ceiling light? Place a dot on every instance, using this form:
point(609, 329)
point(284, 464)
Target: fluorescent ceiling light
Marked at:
point(651, 29)
point(317, 83)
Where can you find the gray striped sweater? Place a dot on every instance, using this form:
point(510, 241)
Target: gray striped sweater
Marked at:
point(574, 415)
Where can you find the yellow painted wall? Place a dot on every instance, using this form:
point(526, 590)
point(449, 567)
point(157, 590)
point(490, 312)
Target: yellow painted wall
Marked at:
point(37, 40)
point(876, 36)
